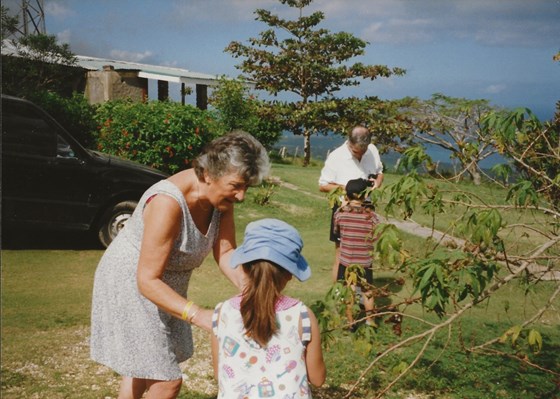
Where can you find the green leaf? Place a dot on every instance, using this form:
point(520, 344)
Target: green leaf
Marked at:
point(426, 277)
point(512, 334)
point(534, 339)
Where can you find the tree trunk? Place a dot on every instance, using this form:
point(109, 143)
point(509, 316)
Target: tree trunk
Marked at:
point(475, 174)
point(306, 148)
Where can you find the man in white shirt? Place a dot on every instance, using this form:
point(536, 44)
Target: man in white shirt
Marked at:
point(356, 158)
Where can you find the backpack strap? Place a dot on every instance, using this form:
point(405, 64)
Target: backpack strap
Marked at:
point(305, 326)
point(216, 317)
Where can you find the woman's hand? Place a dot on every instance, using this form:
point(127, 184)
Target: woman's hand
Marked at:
point(203, 319)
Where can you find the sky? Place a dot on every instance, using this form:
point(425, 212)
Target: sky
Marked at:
point(499, 50)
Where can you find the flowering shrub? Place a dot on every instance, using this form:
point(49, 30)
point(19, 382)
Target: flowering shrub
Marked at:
point(164, 135)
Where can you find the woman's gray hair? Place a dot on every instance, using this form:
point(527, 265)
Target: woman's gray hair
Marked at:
point(236, 152)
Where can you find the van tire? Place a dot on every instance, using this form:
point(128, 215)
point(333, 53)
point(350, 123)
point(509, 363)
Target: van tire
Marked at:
point(114, 220)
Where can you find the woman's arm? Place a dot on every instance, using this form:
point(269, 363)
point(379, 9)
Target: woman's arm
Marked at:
point(162, 224)
point(224, 247)
point(316, 369)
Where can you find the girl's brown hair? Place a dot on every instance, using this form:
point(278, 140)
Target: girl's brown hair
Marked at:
point(266, 282)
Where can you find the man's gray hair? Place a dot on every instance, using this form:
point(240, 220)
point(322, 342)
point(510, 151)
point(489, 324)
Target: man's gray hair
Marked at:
point(360, 136)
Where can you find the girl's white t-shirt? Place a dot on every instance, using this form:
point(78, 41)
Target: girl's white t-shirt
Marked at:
point(247, 370)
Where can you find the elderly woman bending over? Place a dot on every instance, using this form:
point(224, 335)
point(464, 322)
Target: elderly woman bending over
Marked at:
point(141, 314)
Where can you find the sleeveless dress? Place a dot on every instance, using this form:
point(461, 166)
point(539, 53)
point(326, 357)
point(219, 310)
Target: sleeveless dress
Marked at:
point(128, 332)
point(247, 370)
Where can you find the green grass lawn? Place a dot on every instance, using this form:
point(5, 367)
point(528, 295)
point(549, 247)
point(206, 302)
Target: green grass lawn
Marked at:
point(46, 297)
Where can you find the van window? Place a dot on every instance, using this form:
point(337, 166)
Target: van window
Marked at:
point(26, 131)
point(63, 149)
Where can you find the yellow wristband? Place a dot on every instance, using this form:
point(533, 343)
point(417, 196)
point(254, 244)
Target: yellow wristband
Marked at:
point(188, 306)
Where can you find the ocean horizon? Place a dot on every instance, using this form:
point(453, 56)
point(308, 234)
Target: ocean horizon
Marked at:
point(322, 145)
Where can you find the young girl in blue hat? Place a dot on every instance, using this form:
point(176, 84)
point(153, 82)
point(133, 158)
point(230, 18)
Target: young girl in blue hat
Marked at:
point(265, 344)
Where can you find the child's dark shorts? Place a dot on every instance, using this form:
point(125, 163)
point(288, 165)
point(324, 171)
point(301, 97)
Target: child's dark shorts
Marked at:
point(342, 270)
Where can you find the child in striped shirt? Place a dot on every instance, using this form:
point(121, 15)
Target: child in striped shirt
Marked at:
point(354, 222)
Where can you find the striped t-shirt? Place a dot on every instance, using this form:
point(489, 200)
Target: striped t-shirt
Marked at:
point(354, 224)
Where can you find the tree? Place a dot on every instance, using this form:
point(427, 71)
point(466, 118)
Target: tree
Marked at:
point(9, 23)
point(534, 148)
point(237, 108)
point(454, 124)
point(38, 63)
point(312, 64)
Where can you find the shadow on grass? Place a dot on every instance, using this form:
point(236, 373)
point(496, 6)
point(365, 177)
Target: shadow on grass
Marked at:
point(44, 239)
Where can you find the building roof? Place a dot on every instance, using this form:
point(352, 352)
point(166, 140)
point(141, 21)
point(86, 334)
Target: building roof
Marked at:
point(157, 72)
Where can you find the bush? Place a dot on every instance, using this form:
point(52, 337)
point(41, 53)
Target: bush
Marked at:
point(164, 135)
point(75, 114)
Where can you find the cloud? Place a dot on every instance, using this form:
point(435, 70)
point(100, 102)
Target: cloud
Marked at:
point(57, 10)
point(495, 89)
point(226, 11)
point(493, 23)
point(124, 55)
point(64, 37)
point(398, 31)
point(173, 64)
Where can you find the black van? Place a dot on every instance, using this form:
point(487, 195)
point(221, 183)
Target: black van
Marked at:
point(51, 182)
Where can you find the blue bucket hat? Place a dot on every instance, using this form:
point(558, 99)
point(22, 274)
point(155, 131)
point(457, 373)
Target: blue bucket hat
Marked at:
point(275, 241)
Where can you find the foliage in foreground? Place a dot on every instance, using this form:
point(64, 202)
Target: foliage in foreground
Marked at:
point(534, 148)
point(458, 272)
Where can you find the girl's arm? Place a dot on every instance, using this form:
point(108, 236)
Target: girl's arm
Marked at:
point(215, 349)
point(316, 369)
point(215, 343)
point(224, 247)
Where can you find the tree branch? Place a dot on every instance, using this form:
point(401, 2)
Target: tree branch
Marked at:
point(430, 332)
point(527, 322)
